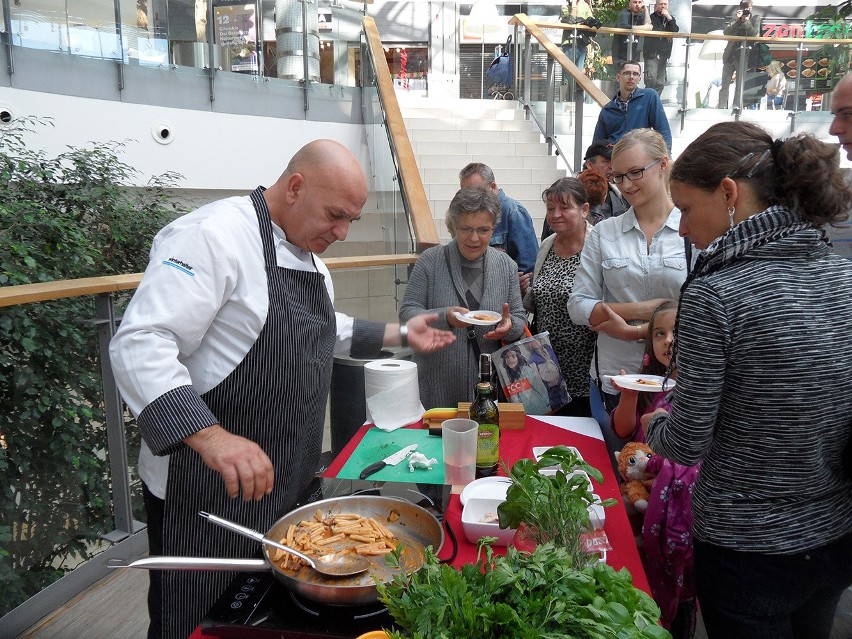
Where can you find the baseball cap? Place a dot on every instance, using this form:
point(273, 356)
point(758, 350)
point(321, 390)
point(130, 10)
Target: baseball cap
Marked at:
point(601, 147)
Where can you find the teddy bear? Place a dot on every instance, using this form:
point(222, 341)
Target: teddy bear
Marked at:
point(636, 480)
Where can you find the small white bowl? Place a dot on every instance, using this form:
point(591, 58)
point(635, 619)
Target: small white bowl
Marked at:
point(494, 487)
point(479, 519)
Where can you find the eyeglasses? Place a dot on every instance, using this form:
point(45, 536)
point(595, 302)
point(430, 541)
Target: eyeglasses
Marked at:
point(634, 175)
point(481, 231)
point(630, 74)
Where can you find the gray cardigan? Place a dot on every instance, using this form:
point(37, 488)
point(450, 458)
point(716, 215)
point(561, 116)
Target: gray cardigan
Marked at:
point(448, 376)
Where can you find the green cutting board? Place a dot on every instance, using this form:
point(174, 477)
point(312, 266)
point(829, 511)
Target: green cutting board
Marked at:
point(378, 444)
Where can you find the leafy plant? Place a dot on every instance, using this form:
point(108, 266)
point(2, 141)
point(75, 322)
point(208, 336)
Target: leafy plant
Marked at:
point(597, 67)
point(520, 596)
point(836, 13)
point(71, 216)
point(553, 507)
point(607, 10)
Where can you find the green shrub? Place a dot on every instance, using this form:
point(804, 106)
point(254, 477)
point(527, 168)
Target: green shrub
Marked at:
point(67, 217)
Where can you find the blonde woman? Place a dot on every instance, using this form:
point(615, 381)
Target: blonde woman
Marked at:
point(776, 85)
point(629, 264)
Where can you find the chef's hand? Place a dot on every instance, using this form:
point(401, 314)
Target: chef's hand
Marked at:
point(241, 462)
point(503, 327)
point(428, 339)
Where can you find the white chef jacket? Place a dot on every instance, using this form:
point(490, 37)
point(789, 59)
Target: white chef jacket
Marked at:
point(199, 309)
point(617, 266)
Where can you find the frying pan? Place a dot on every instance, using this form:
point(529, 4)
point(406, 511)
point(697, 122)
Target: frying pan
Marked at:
point(411, 524)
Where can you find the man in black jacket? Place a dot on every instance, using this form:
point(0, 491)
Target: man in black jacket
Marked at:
point(657, 51)
point(636, 18)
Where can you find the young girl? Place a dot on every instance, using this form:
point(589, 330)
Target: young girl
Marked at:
point(667, 528)
point(632, 404)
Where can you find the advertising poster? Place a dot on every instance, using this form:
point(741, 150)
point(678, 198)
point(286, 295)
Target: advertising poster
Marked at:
point(236, 29)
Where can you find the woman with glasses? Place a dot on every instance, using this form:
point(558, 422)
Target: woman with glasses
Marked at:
point(628, 266)
point(465, 275)
point(762, 345)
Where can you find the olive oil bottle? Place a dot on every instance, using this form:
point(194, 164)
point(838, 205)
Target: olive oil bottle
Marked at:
point(483, 410)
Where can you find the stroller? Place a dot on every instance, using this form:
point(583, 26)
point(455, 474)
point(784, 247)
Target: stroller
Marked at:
point(499, 73)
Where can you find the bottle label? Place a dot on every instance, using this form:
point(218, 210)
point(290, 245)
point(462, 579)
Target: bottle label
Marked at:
point(488, 446)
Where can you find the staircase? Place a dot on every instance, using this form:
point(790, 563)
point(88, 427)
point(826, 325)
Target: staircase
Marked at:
point(447, 134)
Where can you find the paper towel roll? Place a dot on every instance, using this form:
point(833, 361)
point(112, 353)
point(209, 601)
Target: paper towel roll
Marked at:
point(392, 392)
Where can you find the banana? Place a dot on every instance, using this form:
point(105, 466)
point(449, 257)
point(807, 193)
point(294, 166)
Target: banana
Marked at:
point(439, 415)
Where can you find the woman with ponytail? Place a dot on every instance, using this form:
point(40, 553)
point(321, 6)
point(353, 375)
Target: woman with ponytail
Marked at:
point(762, 347)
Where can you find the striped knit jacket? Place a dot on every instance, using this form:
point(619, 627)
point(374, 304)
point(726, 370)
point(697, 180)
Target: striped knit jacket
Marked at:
point(762, 397)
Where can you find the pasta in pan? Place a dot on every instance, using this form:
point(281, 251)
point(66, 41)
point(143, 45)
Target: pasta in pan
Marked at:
point(333, 534)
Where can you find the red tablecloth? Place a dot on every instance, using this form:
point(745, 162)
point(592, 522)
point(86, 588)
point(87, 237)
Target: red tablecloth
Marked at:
point(517, 444)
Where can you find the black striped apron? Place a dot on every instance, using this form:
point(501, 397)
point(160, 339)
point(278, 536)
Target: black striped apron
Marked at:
point(276, 397)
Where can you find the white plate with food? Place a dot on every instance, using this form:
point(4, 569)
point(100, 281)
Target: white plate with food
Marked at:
point(479, 318)
point(646, 383)
point(486, 488)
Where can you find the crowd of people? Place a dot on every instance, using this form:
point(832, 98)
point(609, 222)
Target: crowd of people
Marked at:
point(712, 271)
point(763, 82)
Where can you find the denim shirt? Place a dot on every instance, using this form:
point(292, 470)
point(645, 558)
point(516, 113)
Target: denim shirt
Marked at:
point(514, 233)
point(617, 267)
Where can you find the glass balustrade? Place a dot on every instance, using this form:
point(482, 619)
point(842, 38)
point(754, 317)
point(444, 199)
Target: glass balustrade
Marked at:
point(68, 450)
point(266, 39)
point(806, 69)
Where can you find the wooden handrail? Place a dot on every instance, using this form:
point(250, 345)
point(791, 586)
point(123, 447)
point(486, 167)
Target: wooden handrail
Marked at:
point(47, 291)
point(60, 289)
point(556, 52)
point(425, 233)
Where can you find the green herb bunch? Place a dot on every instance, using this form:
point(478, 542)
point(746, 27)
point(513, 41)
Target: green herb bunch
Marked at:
point(552, 507)
point(536, 595)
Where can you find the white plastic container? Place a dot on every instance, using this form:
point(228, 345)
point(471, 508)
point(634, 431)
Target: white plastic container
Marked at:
point(479, 519)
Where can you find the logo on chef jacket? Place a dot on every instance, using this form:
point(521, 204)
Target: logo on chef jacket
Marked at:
point(183, 267)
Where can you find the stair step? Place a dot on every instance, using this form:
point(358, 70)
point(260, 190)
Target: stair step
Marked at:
point(527, 192)
point(434, 113)
point(446, 124)
point(516, 175)
point(466, 135)
point(479, 148)
point(447, 134)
